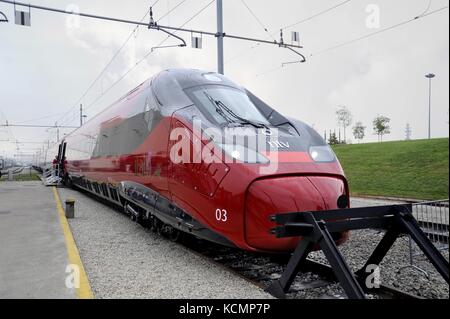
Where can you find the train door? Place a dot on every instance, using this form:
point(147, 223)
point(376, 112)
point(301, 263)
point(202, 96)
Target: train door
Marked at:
point(190, 175)
point(62, 157)
point(153, 159)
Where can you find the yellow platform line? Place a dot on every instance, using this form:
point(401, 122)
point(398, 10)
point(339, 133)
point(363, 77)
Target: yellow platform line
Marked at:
point(84, 291)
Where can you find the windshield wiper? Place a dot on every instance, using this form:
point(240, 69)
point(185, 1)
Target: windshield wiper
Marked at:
point(242, 120)
point(220, 107)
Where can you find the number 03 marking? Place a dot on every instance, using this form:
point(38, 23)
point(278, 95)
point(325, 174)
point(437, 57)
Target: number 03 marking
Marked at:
point(222, 215)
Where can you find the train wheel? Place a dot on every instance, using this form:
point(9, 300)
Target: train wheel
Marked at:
point(171, 233)
point(175, 235)
point(157, 226)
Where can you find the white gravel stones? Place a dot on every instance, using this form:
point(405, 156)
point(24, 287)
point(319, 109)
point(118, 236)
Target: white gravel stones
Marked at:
point(362, 243)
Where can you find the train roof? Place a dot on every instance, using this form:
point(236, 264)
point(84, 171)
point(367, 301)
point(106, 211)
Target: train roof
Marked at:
point(169, 86)
point(187, 78)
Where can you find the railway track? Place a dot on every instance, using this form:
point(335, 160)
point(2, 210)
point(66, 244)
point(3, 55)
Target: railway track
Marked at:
point(317, 280)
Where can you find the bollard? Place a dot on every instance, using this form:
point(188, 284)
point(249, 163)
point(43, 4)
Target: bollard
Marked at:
point(10, 176)
point(70, 208)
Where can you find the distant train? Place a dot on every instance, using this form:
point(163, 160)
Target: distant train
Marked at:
point(164, 152)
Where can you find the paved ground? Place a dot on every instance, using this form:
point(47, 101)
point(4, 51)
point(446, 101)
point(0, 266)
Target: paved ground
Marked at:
point(124, 260)
point(33, 256)
point(366, 202)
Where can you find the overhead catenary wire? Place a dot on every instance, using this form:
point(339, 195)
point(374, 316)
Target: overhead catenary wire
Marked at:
point(109, 63)
point(171, 10)
point(38, 126)
point(337, 46)
point(146, 56)
point(41, 118)
point(157, 26)
point(257, 19)
point(427, 8)
point(121, 48)
point(378, 32)
point(153, 26)
point(309, 18)
point(160, 27)
point(318, 14)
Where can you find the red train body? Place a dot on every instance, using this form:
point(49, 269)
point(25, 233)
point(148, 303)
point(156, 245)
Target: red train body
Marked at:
point(126, 155)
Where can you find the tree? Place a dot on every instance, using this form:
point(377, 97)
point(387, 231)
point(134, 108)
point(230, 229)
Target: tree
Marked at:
point(359, 131)
point(381, 126)
point(344, 118)
point(333, 139)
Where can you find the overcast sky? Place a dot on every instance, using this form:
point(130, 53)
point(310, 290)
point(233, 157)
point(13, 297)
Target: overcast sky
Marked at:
point(45, 69)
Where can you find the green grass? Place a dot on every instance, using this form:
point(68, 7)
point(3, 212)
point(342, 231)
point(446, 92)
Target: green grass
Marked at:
point(22, 177)
point(407, 169)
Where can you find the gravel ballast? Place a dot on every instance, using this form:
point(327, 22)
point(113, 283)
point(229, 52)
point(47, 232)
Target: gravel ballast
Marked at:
point(124, 260)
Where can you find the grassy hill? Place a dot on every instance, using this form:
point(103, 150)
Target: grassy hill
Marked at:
point(408, 169)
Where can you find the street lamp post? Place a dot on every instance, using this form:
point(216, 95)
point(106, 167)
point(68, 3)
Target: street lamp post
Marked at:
point(429, 76)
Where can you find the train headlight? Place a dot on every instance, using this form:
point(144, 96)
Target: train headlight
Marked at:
point(243, 154)
point(322, 154)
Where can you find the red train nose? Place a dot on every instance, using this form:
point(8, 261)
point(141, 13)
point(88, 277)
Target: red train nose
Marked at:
point(270, 196)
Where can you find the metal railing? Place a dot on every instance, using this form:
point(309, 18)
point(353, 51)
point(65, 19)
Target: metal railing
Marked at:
point(51, 176)
point(11, 172)
point(433, 218)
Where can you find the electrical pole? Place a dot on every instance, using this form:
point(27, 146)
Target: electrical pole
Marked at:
point(429, 77)
point(57, 132)
point(220, 57)
point(408, 132)
point(81, 115)
point(46, 151)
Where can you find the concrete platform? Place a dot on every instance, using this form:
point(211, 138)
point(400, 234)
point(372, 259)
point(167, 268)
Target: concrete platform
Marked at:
point(33, 254)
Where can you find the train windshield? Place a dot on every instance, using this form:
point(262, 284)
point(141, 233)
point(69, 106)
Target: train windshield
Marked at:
point(227, 105)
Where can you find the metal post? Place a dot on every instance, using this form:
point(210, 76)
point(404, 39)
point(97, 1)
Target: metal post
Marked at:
point(429, 112)
point(70, 208)
point(429, 77)
point(220, 59)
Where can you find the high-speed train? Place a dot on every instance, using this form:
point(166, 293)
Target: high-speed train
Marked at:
point(192, 152)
